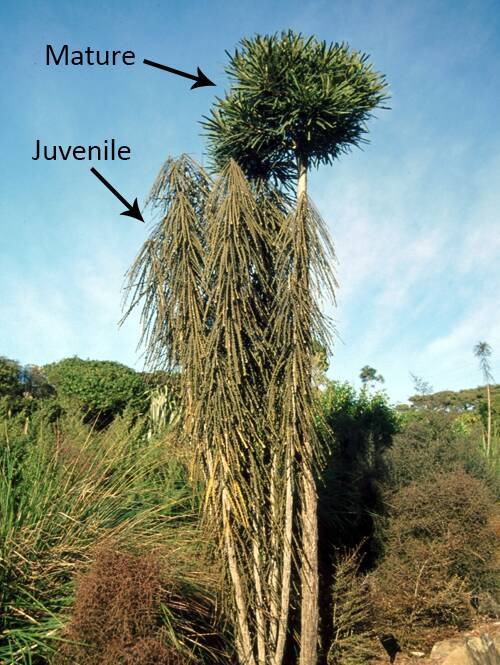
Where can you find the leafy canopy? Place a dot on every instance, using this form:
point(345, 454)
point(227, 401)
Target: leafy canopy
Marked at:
point(101, 387)
point(10, 377)
point(292, 98)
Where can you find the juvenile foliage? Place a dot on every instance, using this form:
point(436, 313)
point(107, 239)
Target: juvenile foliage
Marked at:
point(245, 376)
point(352, 640)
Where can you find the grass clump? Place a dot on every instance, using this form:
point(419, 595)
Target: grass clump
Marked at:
point(64, 488)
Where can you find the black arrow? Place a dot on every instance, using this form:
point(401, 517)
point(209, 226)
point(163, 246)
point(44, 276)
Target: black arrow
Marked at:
point(132, 210)
point(200, 80)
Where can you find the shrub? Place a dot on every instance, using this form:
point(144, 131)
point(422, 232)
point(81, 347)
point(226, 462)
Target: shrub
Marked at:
point(357, 428)
point(116, 617)
point(431, 442)
point(128, 609)
point(440, 547)
point(100, 388)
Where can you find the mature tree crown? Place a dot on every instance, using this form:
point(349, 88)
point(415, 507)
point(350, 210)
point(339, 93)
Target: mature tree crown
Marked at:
point(292, 98)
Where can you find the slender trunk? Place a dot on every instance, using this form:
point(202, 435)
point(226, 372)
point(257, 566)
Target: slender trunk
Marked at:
point(286, 572)
point(244, 643)
point(488, 430)
point(274, 607)
point(259, 602)
point(309, 617)
point(302, 179)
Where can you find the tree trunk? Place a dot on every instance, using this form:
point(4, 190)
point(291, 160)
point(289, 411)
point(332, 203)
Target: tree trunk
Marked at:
point(243, 640)
point(309, 617)
point(309, 607)
point(488, 431)
point(286, 569)
point(302, 179)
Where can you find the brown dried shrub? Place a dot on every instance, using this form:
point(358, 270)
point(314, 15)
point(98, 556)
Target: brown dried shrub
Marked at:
point(116, 617)
point(440, 549)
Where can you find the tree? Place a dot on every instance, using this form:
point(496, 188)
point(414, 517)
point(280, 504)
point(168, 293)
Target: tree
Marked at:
point(203, 279)
point(482, 351)
point(421, 386)
point(10, 377)
point(296, 103)
point(368, 375)
point(228, 283)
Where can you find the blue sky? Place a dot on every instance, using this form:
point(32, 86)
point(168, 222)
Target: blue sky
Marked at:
point(414, 216)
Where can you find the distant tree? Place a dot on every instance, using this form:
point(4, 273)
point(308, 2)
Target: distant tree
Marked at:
point(421, 386)
point(482, 351)
point(369, 376)
point(10, 377)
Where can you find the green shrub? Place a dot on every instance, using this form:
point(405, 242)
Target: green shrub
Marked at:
point(431, 442)
point(357, 428)
point(100, 388)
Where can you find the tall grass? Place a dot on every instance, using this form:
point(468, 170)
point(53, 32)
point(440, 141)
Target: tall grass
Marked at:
point(63, 489)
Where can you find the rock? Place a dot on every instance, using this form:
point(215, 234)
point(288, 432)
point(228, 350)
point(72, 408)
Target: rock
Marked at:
point(443, 648)
point(474, 651)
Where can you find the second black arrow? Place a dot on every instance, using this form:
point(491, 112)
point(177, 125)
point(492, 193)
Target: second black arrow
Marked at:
point(132, 209)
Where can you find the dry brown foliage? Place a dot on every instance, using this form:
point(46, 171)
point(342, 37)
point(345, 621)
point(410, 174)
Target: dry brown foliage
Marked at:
point(116, 614)
point(440, 549)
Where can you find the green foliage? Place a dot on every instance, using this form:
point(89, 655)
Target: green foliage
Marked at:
point(292, 97)
point(357, 428)
point(470, 400)
point(102, 389)
point(11, 390)
point(10, 377)
point(369, 375)
point(21, 389)
point(430, 442)
point(474, 413)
